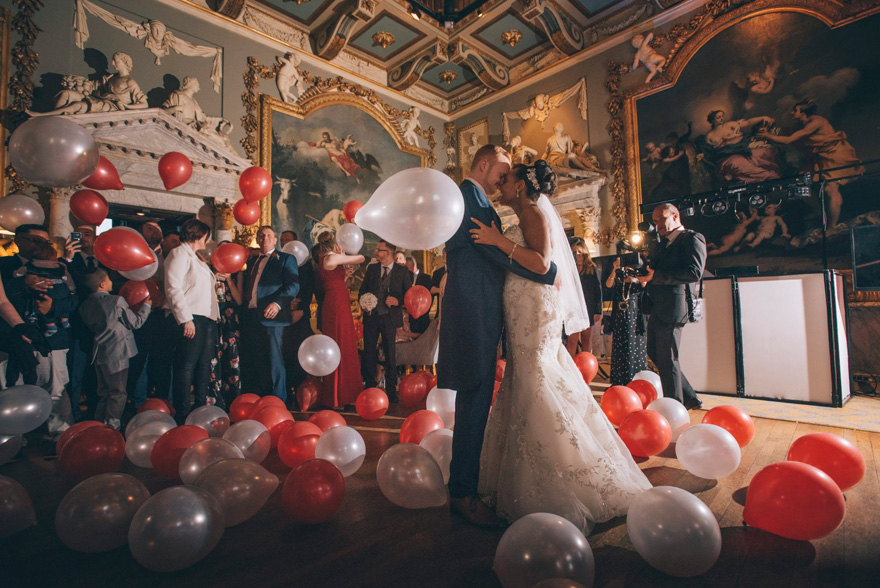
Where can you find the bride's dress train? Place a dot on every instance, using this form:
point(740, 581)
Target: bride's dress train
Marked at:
point(548, 447)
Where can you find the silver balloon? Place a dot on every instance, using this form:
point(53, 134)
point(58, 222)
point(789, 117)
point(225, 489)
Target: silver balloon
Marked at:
point(418, 208)
point(211, 418)
point(16, 509)
point(18, 209)
point(442, 401)
point(149, 416)
point(23, 409)
point(675, 414)
point(653, 378)
point(543, 546)
point(299, 250)
point(409, 477)
point(9, 446)
point(138, 448)
point(176, 528)
point(350, 237)
point(144, 273)
point(204, 453)
point(319, 355)
point(241, 486)
point(252, 438)
point(708, 451)
point(53, 152)
point(674, 531)
point(439, 444)
point(343, 447)
point(95, 515)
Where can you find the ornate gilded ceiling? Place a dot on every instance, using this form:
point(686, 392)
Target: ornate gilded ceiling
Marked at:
point(457, 52)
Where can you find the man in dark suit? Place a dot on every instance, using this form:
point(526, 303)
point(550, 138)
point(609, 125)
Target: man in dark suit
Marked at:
point(271, 282)
point(388, 282)
point(677, 264)
point(470, 329)
point(418, 325)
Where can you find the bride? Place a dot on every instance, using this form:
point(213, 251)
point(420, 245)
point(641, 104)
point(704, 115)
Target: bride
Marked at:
point(548, 446)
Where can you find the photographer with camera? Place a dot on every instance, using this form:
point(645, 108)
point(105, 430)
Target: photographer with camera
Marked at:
point(627, 323)
point(676, 267)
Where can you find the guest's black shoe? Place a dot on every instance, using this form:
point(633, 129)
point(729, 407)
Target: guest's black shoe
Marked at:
point(475, 511)
point(693, 404)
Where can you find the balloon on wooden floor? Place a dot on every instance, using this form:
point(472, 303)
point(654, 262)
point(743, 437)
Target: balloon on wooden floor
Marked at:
point(618, 402)
point(23, 409)
point(171, 446)
point(147, 416)
point(645, 433)
point(16, 509)
point(327, 419)
point(308, 392)
point(412, 391)
point(409, 477)
point(675, 414)
point(371, 404)
point(652, 377)
point(343, 447)
point(243, 407)
point(646, 391)
point(834, 455)
point(252, 438)
point(241, 486)
point(203, 454)
point(442, 402)
point(313, 492)
point(92, 451)
point(10, 445)
point(419, 424)
point(211, 418)
point(734, 420)
point(298, 442)
point(708, 451)
point(439, 444)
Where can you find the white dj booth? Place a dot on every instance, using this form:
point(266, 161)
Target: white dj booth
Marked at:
point(773, 337)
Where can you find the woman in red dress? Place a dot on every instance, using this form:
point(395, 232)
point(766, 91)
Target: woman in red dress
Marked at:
point(342, 387)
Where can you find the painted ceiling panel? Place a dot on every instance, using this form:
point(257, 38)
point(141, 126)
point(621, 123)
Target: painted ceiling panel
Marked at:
point(403, 35)
point(462, 75)
point(593, 6)
point(491, 35)
point(306, 12)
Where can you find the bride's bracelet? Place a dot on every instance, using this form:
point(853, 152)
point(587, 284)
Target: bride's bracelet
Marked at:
point(510, 257)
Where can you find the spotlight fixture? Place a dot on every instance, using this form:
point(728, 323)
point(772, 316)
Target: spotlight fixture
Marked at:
point(799, 192)
point(140, 213)
point(636, 238)
point(716, 208)
point(687, 208)
point(414, 12)
point(758, 200)
point(479, 13)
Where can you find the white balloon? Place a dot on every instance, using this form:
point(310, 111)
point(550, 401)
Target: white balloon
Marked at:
point(442, 401)
point(299, 250)
point(252, 438)
point(708, 451)
point(211, 418)
point(18, 209)
point(343, 447)
point(439, 445)
point(674, 531)
point(409, 477)
point(675, 414)
point(149, 416)
point(350, 237)
point(52, 151)
point(138, 448)
point(319, 355)
point(418, 208)
point(143, 273)
point(9, 446)
point(23, 409)
point(204, 453)
point(652, 377)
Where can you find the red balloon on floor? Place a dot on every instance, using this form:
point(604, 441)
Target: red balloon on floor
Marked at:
point(313, 492)
point(412, 391)
point(89, 206)
point(255, 183)
point(241, 410)
point(170, 447)
point(155, 404)
point(645, 433)
point(419, 424)
point(273, 418)
point(297, 443)
point(73, 430)
point(618, 402)
point(175, 169)
point(265, 401)
point(417, 301)
point(350, 209)
point(307, 393)
point(587, 364)
point(646, 391)
point(327, 419)
point(794, 500)
point(246, 213)
point(734, 420)
point(834, 455)
point(92, 451)
point(430, 379)
point(371, 404)
point(105, 176)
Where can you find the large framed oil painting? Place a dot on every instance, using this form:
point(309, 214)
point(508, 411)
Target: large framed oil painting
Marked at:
point(766, 96)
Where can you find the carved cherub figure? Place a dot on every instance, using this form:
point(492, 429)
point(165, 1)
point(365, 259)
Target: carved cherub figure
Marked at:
point(646, 55)
point(289, 78)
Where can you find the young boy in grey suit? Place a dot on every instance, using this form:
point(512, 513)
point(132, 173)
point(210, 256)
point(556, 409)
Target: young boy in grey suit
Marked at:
point(112, 322)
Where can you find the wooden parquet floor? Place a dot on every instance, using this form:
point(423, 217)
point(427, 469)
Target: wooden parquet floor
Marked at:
point(371, 543)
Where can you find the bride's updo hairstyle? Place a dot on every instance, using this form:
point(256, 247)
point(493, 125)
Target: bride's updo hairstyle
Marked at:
point(539, 179)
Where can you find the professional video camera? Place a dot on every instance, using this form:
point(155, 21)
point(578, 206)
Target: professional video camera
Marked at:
point(637, 249)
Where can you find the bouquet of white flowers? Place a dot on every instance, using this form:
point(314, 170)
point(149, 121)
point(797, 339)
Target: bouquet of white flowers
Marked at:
point(369, 301)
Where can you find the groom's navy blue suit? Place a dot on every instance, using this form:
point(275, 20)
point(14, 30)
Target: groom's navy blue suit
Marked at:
point(470, 331)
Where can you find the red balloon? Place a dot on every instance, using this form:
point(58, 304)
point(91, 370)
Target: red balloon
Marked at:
point(327, 419)
point(73, 430)
point(587, 364)
point(618, 402)
point(307, 393)
point(371, 404)
point(155, 404)
point(175, 169)
point(419, 424)
point(646, 391)
point(645, 433)
point(156, 294)
point(273, 418)
point(500, 368)
point(412, 391)
point(229, 258)
point(429, 377)
point(297, 443)
point(350, 209)
point(255, 183)
point(834, 455)
point(265, 401)
point(123, 249)
point(134, 292)
point(243, 406)
point(794, 500)
point(417, 300)
point(735, 421)
point(105, 176)
point(92, 451)
point(359, 328)
point(313, 492)
point(170, 406)
point(89, 206)
point(170, 447)
point(246, 213)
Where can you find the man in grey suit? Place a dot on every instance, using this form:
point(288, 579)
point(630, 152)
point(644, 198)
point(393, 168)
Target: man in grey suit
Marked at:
point(112, 322)
point(677, 265)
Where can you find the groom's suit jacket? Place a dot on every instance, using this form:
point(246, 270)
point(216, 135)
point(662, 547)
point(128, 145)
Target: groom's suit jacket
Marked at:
point(472, 302)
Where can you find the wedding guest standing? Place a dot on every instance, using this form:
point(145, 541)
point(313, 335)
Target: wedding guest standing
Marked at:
point(628, 325)
point(225, 368)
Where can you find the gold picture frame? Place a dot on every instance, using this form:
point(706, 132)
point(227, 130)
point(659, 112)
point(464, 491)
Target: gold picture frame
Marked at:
point(478, 129)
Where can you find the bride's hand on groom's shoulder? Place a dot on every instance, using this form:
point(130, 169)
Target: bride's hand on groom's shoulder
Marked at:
point(485, 234)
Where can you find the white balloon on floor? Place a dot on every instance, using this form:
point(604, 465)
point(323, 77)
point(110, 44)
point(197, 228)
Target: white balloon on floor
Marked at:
point(149, 416)
point(203, 454)
point(439, 445)
point(418, 208)
point(23, 409)
point(299, 250)
point(252, 438)
point(675, 414)
point(674, 531)
point(350, 237)
point(241, 486)
point(138, 448)
point(211, 418)
point(319, 355)
point(708, 451)
point(343, 447)
point(409, 477)
point(442, 401)
point(652, 377)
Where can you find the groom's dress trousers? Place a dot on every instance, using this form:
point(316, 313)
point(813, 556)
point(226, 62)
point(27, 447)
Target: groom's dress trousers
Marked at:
point(470, 332)
point(678, 264)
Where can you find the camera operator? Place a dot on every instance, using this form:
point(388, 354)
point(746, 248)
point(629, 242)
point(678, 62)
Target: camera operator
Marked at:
point(676, 264)
point(627, 323)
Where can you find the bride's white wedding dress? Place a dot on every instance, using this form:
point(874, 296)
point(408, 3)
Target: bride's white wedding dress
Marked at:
point(548, 446)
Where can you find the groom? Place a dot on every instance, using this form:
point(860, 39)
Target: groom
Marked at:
point(471, 329)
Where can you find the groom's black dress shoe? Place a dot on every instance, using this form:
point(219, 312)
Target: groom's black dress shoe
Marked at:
point(690, 405)
point(475, 511)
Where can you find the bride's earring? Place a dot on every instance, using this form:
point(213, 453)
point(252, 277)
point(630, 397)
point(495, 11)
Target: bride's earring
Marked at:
point(518, 193)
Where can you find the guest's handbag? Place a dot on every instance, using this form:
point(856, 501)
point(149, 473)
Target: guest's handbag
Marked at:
point(694, 304)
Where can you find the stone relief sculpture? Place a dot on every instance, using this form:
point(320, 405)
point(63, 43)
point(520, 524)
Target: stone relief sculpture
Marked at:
point(289, 81)
point(411, 127)
point(473, 147)
point(564, 152)
point(540, 106)
point(182, 105)
point(157, 38)
point(520, 153)
point(647, 56)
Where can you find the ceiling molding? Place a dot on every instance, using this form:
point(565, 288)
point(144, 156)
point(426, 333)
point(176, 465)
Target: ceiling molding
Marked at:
point(334, 34)
point(488, 71)
point(565, 34)
point(411, 72)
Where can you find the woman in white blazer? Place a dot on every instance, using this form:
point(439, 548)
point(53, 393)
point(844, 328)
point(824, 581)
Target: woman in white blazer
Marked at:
point(191, 298)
